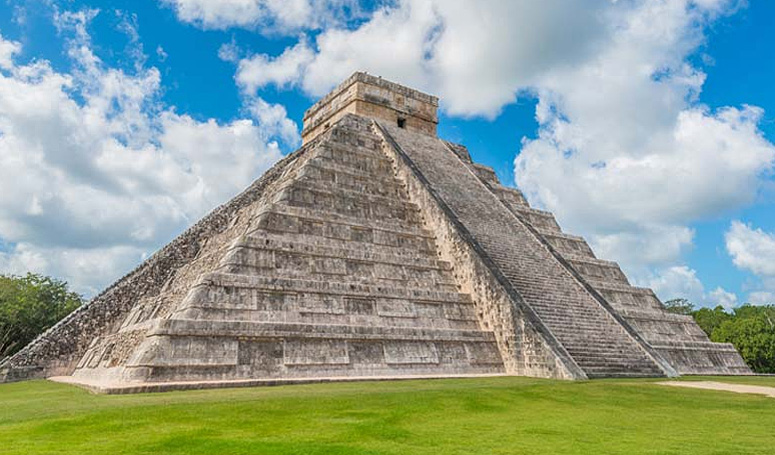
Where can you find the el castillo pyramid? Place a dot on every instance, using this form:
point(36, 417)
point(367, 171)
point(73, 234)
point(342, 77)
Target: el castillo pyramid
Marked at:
point(376, 250)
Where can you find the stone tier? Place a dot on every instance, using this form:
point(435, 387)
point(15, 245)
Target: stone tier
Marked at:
point(302, 220)
point(567, 244)
point(540, 219)
point(597, 269)
point(314, 262)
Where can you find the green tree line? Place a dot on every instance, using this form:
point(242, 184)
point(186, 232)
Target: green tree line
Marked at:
point(28, 306)
point(750, 328)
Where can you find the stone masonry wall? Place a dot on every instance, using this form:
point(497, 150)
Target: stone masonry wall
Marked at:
point(376, 98)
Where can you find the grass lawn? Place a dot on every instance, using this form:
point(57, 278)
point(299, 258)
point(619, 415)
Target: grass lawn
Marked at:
point(462, 416)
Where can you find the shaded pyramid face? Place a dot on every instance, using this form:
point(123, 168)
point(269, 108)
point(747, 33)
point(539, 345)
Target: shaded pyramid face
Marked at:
point(606, 326)
point(377, 250)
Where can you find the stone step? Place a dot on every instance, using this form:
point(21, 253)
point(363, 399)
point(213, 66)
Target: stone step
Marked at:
point(366, 165)
point(590, 358)
point(348, 173)
point(608, 368)
point(347, 153)
point(582, 330)
point(328, 287)
point(346, 203)
point(597, 269)
point(655, 315)
point(307, 213)
point(243, 259)
point(572, 314)
point(333, 175)
point(409, 315)
point(620, 294)
point(539, 219)
point(599, 348)
point(341, 193)
point(355, 135)
point(693, 345)
point(304, 221)
point(283, 354)
point(245, 329)
point(262, 305)
point(346, 249)
point(351, 273)
point(606, 373)
point(567, 244)
point(510, 196)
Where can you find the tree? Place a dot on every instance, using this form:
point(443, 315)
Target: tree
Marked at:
point(750, 328)
point(29, 305)
point(752, 331)
point(709, 320)
point(679, 306)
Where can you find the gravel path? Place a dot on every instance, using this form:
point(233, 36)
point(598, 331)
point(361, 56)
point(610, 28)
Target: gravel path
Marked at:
point(738, 388)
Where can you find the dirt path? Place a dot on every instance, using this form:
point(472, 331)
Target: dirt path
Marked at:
point(710, 385)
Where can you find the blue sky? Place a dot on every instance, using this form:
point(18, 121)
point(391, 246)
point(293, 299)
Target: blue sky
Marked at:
point(647, 127)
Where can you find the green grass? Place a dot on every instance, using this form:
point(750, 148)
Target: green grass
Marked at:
point(489, 416)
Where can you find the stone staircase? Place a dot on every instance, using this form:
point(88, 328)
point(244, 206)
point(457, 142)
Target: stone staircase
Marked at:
point(590, 333)
point(677, 338)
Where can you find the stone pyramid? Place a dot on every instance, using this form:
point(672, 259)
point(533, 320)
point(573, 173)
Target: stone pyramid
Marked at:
point(377, 250)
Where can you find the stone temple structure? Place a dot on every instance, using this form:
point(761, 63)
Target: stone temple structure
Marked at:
point(377, 250)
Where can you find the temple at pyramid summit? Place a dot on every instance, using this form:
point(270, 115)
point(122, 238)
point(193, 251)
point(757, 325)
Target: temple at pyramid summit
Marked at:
point(375, 251)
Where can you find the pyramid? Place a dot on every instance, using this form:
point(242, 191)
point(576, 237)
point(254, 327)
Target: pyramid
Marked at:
point(375, 251)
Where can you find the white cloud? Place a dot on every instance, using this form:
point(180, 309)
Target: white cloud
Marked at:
point(261, 70)
point(87, 270)
point(723, 298)
point(762, 298)
point(682, 282)
point(676, 282)
point(274, 120)
point(625, 155)
point(476, 56)
point(275, 15)
point(7, 50)
point(97, 172)
point(751, 249)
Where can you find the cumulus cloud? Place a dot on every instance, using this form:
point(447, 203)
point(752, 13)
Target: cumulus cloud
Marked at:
point(261, 70)
point(7, 51)
point(723, 298)
point(97, 172)
point(682, 282)
point(281, 16)
point(624, 153)
point(762, 298)
point(677, 282)
point(753, 249)
point(476, 56)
